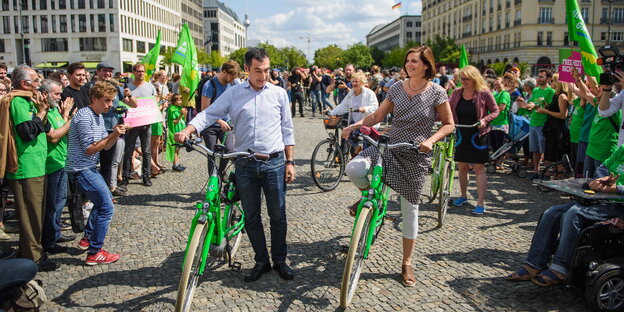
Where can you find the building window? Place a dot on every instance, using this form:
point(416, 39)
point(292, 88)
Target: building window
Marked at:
point(63, 4)
point(409, 24)
point(584, 14)
point(545, 16)
point(53, 4)
point(140, 47)
point(111, 21)
point(540, 38)
point(110, 4)
point(43, 4)
point(549, 38)
point(25, 21)
point(618, 16)
point(44, 24)
point(92, 44)
point(2, 50)
point(6, 22)
point(102, 22)
point(81, 4)
point(53, 44)
point(34, 21)
point(5, 5)
point(127, 45)
point(63, 23)
point(92, 22)
point(101, 4)
point(617, 36)
point(73, 23)
point(604, 16)
point(82, 23)
point(603, 36)
point(53, 23)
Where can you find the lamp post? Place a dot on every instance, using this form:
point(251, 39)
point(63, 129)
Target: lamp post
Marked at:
point(609, 23)
point(21, 5)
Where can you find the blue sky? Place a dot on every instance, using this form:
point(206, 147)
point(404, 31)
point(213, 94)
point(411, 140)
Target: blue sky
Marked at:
point(343, 22)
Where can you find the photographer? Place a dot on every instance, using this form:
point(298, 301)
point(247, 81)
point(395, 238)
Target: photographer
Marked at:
point(315, 89)
point(295, 83)
point(111, 158)
point(87, 137)
point(609, 106)
point(342, 83)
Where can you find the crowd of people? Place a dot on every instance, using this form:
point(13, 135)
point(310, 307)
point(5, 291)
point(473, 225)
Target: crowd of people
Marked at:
point(67, 129)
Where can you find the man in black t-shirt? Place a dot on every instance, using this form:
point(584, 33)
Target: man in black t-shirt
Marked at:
point(315, 89)
point(76, 89)
point(295, 82)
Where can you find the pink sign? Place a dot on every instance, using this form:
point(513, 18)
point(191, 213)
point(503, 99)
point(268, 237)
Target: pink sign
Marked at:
point(146, 113)
point(565, 69)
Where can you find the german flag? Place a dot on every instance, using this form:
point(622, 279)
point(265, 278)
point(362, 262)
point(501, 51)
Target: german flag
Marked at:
point(396, 6)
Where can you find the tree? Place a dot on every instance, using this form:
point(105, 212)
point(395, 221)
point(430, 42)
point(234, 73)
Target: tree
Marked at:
point(394, 58)
point(357, 54)
point(203, 57)
point(328, 57)
point(445, 50)
point(216, 59)
point(167, 54)
point(275, 55)
point(239, 56)
point(295, 57)
point(377, 55)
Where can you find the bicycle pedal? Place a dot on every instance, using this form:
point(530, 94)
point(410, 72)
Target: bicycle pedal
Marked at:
point(236, 266)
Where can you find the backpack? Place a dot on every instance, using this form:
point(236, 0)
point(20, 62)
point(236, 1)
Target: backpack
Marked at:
point(31, 297)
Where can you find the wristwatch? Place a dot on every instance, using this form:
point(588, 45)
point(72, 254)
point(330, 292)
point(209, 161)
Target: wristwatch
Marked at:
point(290, 162)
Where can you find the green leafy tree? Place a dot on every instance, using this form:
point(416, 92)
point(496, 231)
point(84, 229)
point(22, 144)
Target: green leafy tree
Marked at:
point(377, 55)
point(216, 59)
point(328, 57)
point(239, 56)
point(275, 55)
point(295, 57)
point(358, 54)
point(203, 57)
point(445, 50)
point(167, 54)
point(394, 57)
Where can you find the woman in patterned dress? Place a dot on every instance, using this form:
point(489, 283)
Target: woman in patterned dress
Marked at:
point(415, 102)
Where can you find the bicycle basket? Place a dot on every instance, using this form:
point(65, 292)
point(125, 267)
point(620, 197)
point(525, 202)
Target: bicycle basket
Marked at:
point(332, 122)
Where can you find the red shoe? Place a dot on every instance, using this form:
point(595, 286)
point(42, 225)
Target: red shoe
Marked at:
point(101, 257)
point(83, 244)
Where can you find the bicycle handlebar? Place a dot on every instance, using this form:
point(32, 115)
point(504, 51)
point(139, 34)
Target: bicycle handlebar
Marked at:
point(196, 142)
point(468, 126)
point(370, 140)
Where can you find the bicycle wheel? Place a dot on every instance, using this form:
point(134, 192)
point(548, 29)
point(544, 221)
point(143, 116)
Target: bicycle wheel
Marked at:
point(353, 265)
point(437, 159)
point(190, 271)
point(445, 192)
point(234, 242)
point(327, 165)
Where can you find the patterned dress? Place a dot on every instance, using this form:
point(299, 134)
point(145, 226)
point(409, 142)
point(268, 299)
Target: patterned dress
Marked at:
point(405, 170)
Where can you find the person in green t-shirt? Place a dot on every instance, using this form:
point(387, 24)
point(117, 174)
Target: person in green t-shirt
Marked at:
point(500, 124)
point(27, 183)
point(56, 177)
point(176, 117)
point(575, 123)
point(541, 96)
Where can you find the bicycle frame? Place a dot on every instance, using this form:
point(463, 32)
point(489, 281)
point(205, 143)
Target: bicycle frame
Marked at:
point(209, 210)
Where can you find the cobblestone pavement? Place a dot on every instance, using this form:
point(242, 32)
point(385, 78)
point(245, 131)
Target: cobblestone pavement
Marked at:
point(458, 267)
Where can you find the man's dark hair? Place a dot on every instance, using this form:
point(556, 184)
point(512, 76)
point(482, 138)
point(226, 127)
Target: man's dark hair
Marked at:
point(3, 66)
point(74, 67)
point(257, 54)
point(545, 70)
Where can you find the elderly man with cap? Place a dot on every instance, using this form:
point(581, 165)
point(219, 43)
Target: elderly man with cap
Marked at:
point(111, 159)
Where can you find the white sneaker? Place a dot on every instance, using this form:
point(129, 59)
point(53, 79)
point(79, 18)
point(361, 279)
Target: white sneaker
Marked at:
point(86, 210)
point(3, 235)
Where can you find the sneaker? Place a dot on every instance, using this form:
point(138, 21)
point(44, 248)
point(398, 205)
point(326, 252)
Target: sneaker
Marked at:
point(4, 236)
point(7, 253)
point(118, 192)
point(64, 226)
point(11, 228)
point(460, 201)
point(46, 265)
point(101, 257)
point(479, 210)
point(179, 168)
point(56, 248)
point(84, 243)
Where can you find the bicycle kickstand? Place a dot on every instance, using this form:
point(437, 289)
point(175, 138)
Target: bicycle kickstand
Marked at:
point(235, 266)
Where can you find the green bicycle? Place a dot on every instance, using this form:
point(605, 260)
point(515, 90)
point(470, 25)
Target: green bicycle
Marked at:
point(443, 172)
point(368, 219)
point(216, 229)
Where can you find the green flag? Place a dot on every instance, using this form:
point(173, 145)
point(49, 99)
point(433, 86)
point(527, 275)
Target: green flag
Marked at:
point(463, 58)
point(186, 55)
point(151, 58)
point(577, 31)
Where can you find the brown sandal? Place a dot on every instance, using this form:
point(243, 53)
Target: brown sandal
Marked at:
point(407, 276)
point(525, 273)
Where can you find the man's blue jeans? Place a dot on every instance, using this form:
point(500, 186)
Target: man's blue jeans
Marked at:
point(567, 220)
point(90, 182)
point(15, 273)
point(326, 103)
point(56, 198)
point(315, 96)
point(252, 177)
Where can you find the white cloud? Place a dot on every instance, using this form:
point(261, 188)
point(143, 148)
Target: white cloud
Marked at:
point(341, 22)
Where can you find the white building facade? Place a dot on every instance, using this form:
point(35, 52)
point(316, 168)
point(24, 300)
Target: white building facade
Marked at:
point(59, 32)
point(223, 30)
point(397, 33)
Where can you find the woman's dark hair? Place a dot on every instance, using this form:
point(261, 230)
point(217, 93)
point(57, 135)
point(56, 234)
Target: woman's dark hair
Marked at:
point(426, 56)
point(257, 54)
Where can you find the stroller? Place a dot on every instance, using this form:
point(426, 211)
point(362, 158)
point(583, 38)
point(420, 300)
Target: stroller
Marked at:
point(518, 133)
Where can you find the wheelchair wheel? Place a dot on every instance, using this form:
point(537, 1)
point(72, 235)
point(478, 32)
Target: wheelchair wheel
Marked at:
point(607, 293)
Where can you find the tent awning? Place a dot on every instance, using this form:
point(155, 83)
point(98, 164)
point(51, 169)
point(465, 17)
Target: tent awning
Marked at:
point(51, 65)
point(90, 65)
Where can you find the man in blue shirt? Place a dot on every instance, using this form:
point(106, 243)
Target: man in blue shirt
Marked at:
point(87, 137)
point(262, 122)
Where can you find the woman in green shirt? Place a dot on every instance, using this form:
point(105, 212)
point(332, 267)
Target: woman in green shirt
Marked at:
point(576, 121)
point(500, 125)
point(176, 117)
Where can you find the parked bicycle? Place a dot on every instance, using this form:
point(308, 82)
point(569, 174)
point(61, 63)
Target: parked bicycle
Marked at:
point(368, 220)
point(217, 227)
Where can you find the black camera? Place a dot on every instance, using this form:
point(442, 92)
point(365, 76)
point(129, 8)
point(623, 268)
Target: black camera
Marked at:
point(120, 110)
point(124, 80)
point(339, 80)
point(613, 61)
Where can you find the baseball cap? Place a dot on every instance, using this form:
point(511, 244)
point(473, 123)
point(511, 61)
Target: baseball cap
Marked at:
point(104, 65)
